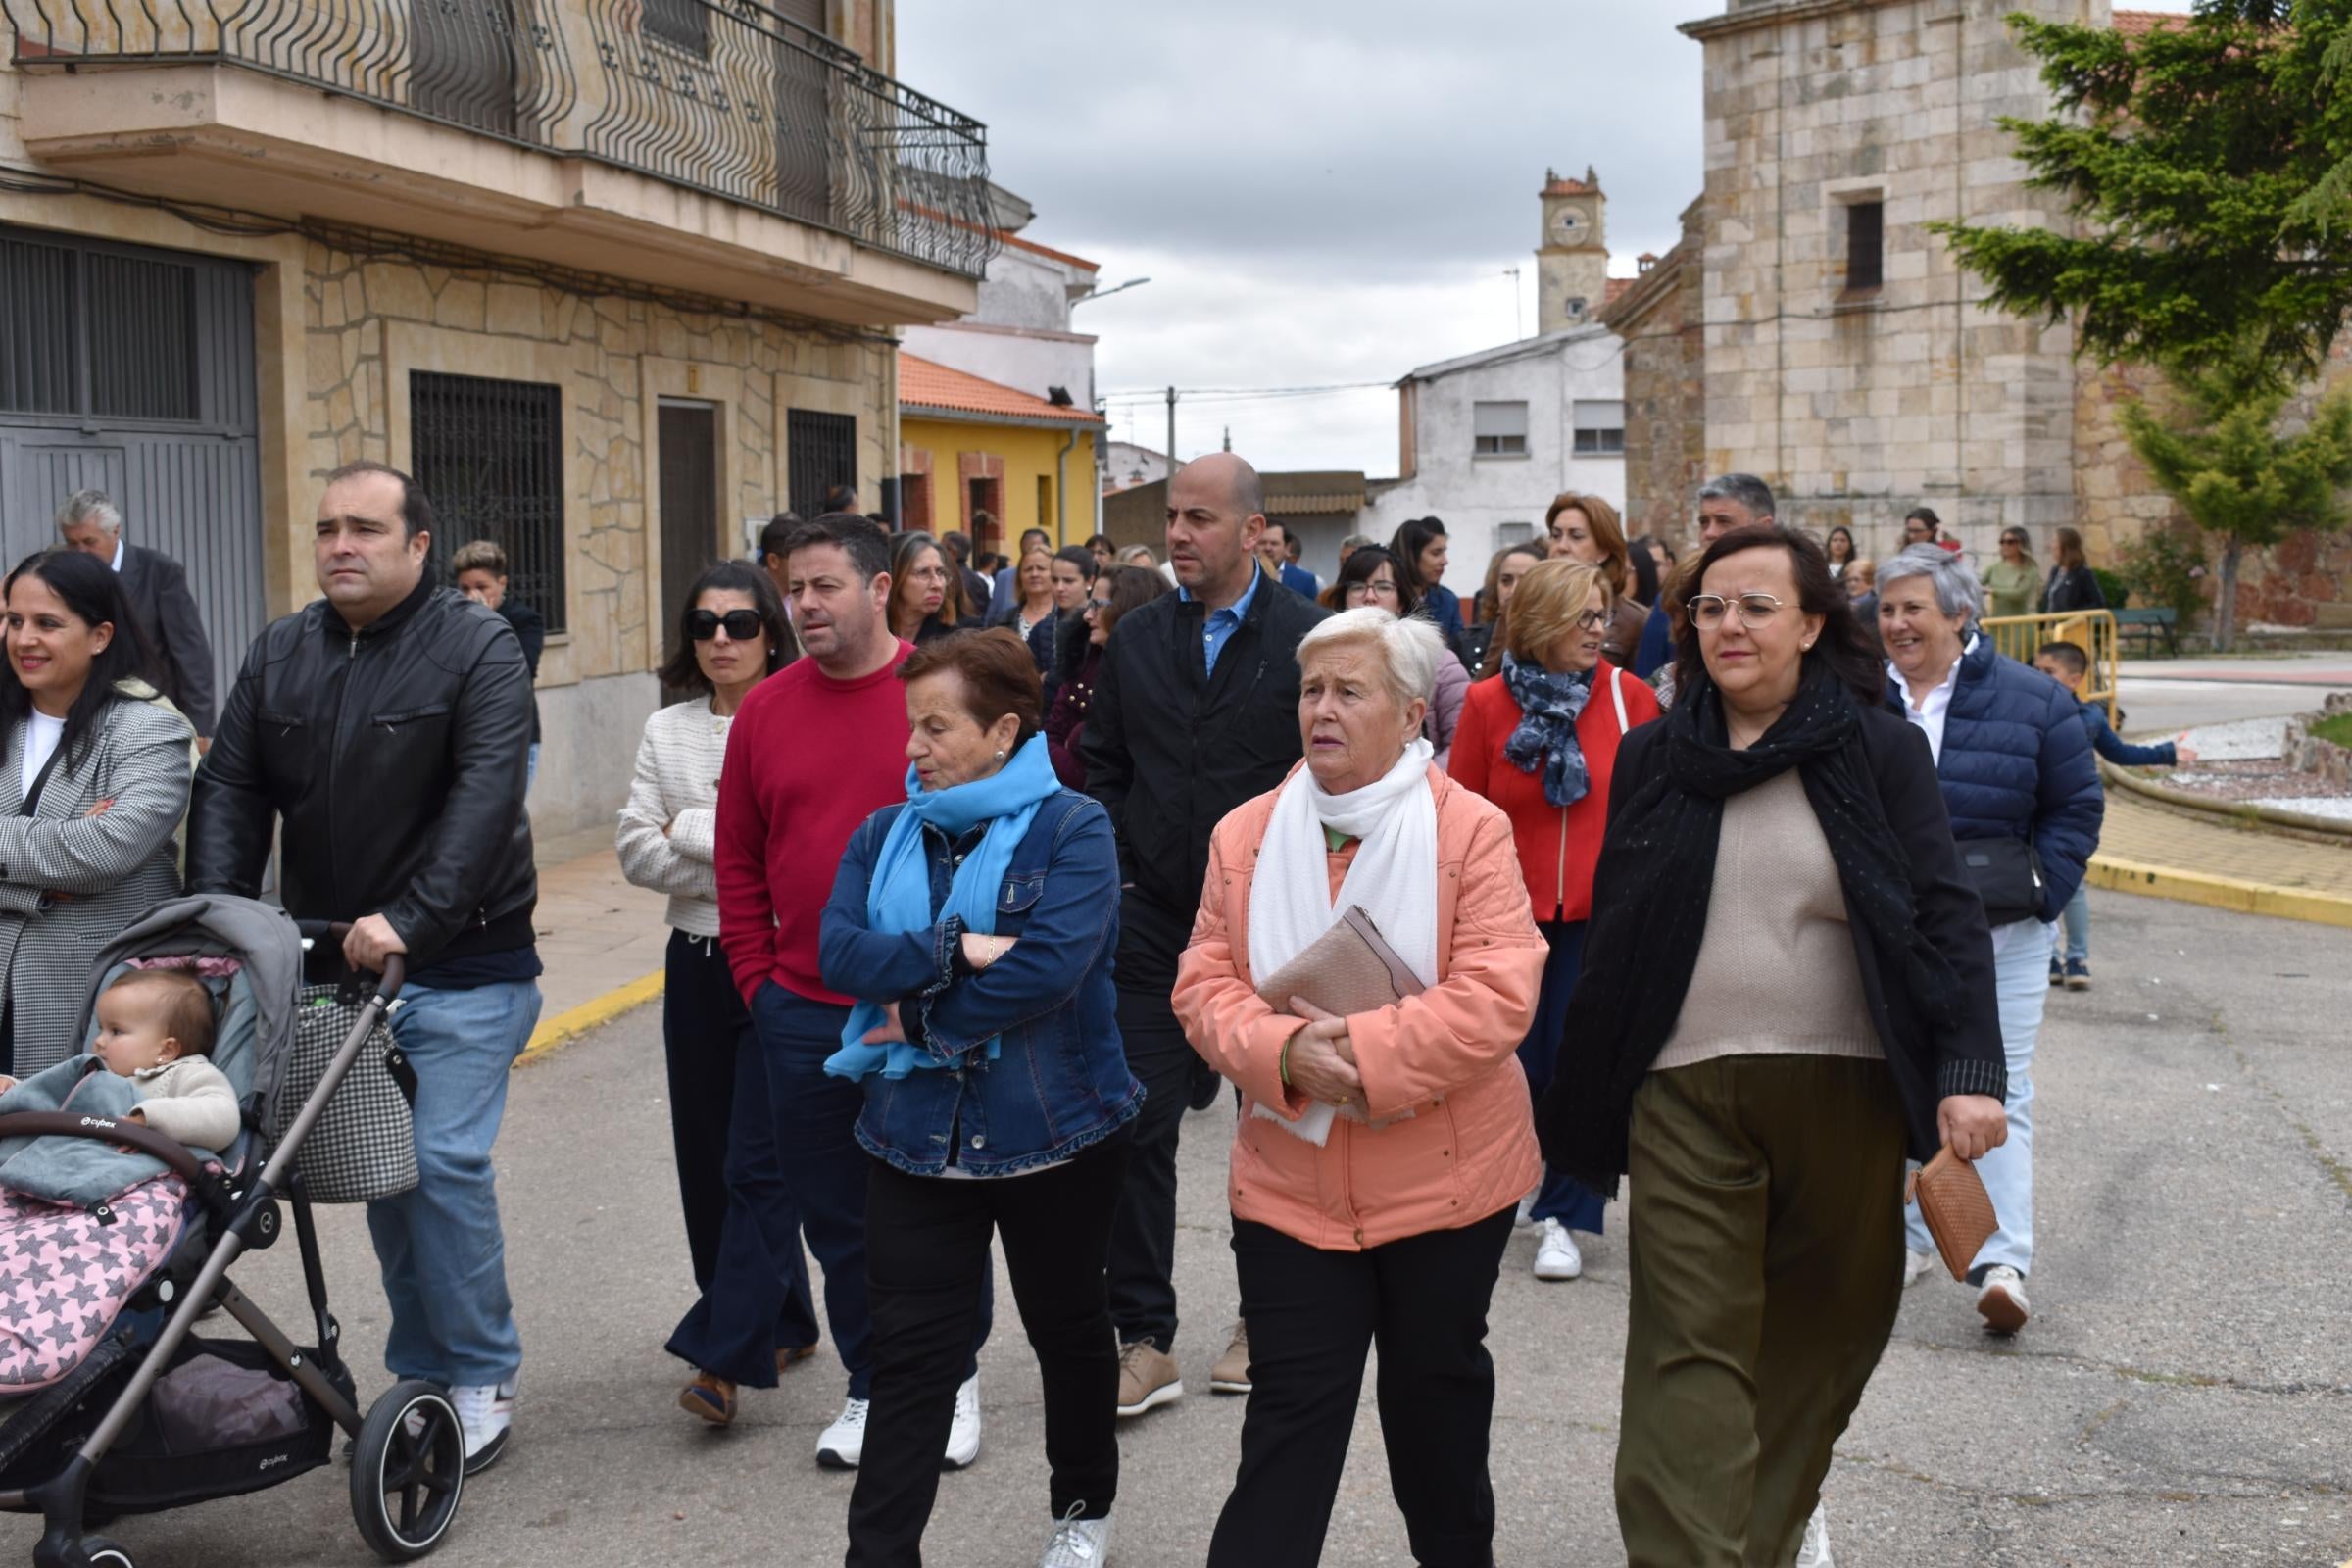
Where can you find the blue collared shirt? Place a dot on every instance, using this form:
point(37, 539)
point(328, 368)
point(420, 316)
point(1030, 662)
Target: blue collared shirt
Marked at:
point(1219, 625)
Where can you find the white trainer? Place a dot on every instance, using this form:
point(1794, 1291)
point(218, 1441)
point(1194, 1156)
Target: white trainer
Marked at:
point(1078, 1542)
point(486, 1410)
point(1557, 1256)
point(1815, 1553)
point(2001, 1300)
point(1916, 1267)
point(963, 1437)
point(843, 1443)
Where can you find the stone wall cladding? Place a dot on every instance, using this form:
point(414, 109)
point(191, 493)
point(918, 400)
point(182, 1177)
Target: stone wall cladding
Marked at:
point(353, 301)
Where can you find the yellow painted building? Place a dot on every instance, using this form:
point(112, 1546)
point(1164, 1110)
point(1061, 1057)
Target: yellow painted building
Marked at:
point(971, 448)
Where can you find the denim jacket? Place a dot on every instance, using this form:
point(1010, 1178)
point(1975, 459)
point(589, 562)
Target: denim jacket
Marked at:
point(1060, 1080)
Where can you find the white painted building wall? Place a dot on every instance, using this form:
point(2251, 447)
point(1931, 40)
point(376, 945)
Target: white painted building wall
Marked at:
point(1476, 496)
point(1020, 335)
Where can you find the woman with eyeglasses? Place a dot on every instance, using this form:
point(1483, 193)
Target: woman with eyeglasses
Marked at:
point(1373, 578)
point(754, 1319)
point(1114, 592)
point(1787, 989)
point(926, 593)
point(1540, 741)
point(2014, 582)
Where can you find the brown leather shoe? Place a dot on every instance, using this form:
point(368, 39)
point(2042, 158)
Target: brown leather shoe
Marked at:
point(709, 1399)
point(1147, 1378)
point(1231, 1374)
point(786, 1360)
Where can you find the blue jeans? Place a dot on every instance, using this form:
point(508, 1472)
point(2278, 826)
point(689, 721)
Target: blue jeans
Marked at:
point(1560, 1197)
point(2078, 925)
point(826, 1171)
point(443, 1256)
point(2021, 973)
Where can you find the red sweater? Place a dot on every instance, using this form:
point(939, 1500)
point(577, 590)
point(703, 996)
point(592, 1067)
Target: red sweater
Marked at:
point(1558, 846)
point(808, 758)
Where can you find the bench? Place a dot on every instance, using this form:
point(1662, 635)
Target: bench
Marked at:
point(2148, 625)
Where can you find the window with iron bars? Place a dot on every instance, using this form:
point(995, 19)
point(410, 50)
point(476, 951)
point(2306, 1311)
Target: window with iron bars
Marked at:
point(820, 452)
point(489, 456)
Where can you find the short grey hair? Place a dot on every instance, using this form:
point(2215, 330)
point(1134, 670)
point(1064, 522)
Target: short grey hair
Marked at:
point(1958, 590)
point(1746, 489)
point(1359, 541)
point(89, 506)
point(1409, 649)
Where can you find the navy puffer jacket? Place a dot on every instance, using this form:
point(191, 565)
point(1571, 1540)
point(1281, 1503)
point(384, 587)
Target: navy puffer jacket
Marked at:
point(2017, 764)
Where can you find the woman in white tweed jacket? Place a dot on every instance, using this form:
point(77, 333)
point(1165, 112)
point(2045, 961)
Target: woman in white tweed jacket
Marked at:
point(753, 1317)
point(93, 785)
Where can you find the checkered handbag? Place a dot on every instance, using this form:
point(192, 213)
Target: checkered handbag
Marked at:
point(363, 1145)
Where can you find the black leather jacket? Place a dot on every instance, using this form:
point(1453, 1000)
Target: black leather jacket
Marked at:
point(395, 757)
point(1170, 747)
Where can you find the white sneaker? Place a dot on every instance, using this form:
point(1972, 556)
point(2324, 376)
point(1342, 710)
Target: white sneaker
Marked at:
point(963, 1437)
point(1916, 1267)
point(1557, 1256)
point(2001, 1300)
point(1815, 1553)
point(843, 1443)
point(486, 1410)
point(1078, 1544)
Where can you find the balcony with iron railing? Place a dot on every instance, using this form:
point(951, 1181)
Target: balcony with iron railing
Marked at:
point(715, 141)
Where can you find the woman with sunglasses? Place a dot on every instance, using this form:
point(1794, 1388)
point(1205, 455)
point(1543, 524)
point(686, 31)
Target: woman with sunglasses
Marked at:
point(1114, 592)
point(2013, 583)
point(1373, 576)
point(1787, 989)
point(754, 1318)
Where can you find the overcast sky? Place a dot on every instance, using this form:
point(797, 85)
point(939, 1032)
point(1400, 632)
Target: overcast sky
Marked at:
point(1322, 191)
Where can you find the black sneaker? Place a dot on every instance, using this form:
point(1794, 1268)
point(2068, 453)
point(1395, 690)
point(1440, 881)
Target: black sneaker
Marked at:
point(2057, 971)
point(2077, 975)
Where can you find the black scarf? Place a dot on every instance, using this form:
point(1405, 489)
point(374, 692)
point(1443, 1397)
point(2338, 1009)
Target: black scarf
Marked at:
point(1656, 877)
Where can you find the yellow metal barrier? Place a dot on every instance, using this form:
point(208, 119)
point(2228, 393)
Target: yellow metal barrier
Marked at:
point(2021, 637)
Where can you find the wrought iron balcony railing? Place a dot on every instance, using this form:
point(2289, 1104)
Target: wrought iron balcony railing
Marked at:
point(723, 96)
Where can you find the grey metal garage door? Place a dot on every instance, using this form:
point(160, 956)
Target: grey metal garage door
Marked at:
point(131, 370)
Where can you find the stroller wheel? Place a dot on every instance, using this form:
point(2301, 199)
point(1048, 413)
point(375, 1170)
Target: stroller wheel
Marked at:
point(104, 1553)
point(408, 1467)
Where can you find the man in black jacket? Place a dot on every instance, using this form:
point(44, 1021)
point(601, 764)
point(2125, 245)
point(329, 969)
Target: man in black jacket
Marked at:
point(385, 729)
point(158, 590)
point(1195, 711)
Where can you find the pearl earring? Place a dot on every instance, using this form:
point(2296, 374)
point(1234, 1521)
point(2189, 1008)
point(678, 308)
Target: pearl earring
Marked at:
point(999, 756)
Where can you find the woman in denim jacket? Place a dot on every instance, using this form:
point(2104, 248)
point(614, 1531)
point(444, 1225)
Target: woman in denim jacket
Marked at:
point(977, 923)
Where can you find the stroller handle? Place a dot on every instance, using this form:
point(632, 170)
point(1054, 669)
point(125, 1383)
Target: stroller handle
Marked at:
point(72, 1124)
point(396, 964)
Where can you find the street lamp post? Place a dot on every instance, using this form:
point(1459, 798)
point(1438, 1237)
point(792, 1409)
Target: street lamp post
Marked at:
point(1105, 293)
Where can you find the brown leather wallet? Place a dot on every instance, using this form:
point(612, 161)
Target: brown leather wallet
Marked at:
point(1958, 1211)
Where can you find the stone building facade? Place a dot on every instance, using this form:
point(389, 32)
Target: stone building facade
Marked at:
point(1842, 353)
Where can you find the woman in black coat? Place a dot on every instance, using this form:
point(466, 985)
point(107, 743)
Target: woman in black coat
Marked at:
point(1788, 989)
point(2073, 585)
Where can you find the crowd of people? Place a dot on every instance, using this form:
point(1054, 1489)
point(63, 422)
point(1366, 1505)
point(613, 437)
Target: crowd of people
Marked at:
point(1737, 872)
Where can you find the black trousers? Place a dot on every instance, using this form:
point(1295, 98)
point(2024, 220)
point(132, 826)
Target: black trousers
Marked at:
point(703, 1021)
point(1142, 1232)
point(926, 1256)
point(1313, 1316)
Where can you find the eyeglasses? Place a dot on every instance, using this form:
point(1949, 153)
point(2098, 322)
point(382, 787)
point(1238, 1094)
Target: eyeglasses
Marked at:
point(1591, 621)
point(1708, 610)
point(1358, 592)
point(1098, 603)
point(742, 625)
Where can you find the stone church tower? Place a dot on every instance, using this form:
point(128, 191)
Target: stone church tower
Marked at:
point(1572, 263)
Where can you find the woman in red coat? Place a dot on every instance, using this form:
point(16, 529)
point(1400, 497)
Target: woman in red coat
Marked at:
point(1540, 740)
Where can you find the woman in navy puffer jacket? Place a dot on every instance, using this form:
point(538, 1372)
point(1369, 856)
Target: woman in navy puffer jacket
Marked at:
point(2016, 766)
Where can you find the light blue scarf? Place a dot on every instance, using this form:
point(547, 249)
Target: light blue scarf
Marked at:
point(898, 898)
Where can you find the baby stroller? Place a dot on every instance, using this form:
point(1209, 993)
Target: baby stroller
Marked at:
point(154, 1417)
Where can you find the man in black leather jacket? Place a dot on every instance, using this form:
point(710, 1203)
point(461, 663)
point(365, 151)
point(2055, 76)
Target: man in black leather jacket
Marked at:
point(388, 727)
point(1194, 710)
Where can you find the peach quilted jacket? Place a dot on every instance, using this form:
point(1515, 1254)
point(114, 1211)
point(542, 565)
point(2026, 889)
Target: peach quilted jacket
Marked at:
point(1442, 1063)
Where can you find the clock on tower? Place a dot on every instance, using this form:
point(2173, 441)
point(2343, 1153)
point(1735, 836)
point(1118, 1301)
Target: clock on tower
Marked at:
point(1572, 224)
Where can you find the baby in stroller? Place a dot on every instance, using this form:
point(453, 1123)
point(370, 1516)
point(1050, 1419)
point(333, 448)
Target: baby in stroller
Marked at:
point(155, 1027)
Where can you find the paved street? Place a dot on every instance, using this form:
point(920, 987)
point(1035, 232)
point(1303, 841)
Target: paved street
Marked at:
point(2181, 1396)
point(2166, 694)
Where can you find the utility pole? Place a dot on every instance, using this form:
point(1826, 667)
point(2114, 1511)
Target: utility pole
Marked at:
point(1171, 434)
point(1518, 320)
point(1229, 438)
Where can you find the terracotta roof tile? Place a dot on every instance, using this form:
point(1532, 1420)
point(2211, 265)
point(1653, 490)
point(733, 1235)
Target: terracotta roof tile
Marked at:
point(1616, 290)
point(2139, 24)
point(923, 385)
point(1569, 187)
point(1063, 257)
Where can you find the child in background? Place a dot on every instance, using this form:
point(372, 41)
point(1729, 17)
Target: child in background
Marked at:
point(155, 1026)
point(2068, 666)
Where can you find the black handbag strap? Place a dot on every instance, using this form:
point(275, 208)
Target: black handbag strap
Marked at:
point(40, 780)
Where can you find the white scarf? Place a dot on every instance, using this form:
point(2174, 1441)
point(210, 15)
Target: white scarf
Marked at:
point(1393, 878)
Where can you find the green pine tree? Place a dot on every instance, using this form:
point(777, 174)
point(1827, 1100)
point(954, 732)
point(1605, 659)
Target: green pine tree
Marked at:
point(2239, 475)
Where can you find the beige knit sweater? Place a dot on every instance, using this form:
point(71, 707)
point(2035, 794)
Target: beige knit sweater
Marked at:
point(1775, 973)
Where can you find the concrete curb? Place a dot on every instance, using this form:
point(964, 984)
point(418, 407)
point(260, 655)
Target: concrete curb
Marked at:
point(554, 1034)
point(2237, 813)
point(2219, 892)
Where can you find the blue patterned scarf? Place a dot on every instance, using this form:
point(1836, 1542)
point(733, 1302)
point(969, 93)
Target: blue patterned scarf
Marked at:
point(1548, 705)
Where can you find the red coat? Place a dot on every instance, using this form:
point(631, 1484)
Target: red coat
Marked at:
point(1558, 846)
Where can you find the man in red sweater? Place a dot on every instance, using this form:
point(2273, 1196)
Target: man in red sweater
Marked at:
point(815, 750)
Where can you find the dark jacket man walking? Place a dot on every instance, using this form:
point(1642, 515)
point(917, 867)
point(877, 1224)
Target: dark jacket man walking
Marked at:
point(158, 589)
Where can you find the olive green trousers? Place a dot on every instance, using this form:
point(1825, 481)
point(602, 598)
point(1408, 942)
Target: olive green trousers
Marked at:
point(1767, 1246)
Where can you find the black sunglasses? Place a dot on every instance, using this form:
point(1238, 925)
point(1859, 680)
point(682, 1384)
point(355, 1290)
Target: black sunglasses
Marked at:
point(742, 625)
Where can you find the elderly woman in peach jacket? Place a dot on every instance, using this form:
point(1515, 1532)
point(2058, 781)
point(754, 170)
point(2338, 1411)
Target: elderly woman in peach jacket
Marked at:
point(1379, 1157)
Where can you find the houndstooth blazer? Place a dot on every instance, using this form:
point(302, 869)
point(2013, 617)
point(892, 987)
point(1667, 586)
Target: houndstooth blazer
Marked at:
point(111, 868)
